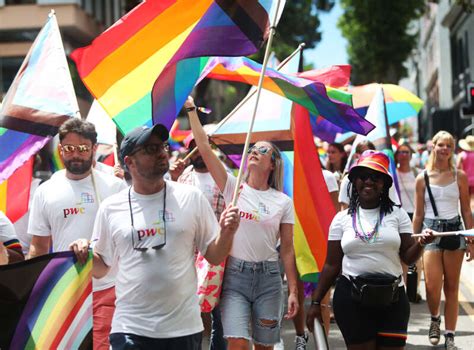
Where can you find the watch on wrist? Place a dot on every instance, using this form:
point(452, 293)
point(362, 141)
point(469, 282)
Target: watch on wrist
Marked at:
point(190, 109)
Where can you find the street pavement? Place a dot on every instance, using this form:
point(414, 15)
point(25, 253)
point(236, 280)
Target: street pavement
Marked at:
point(419, 321)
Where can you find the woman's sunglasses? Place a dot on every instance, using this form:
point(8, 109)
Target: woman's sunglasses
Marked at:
point(374, 177)
point(262, 150)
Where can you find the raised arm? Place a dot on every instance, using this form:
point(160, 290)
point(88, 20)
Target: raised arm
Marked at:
point(213, 163)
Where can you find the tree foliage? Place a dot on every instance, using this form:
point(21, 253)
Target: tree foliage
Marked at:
point(299, 23)
point(380, 37)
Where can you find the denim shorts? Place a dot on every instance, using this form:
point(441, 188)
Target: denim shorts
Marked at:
point(453, 224)
point(252, 292)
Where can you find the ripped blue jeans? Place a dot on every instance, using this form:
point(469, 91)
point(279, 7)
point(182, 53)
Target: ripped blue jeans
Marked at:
point(252, 294)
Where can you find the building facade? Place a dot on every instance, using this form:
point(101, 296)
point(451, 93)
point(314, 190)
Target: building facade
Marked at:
point(80, 21)
point(443, 65)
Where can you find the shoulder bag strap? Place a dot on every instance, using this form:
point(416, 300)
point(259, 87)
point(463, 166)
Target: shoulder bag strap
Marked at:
point(427, 183)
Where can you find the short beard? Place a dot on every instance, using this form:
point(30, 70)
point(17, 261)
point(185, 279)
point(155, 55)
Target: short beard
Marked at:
point(198, 163)
point(152, 172)
point(81, 169)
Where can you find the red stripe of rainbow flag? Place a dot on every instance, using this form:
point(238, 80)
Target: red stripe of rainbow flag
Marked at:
point(313, 208)
point(15, 191)
point(121, 65)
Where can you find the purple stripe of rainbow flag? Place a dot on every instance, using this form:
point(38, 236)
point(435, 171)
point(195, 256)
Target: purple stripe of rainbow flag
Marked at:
point(121, 65)
point(313, 95)
point(51, 315)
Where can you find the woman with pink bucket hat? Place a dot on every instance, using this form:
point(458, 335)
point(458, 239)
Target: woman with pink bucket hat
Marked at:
point(366, 245)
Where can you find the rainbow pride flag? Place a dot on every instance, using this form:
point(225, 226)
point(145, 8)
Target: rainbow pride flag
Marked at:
point(46, 303)
point(313, 206)
point(40, 98)
point(121, 65)
point(332, 104)
point(15, 192)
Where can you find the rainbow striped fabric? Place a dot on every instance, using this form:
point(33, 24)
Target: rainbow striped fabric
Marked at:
point(313, 209)
point(15, 192)
point(40, 99)
point(46, 303)
point(121, 65)
point(332, 104)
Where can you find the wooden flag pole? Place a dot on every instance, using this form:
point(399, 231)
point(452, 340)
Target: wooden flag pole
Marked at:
point(253, 91)
point(246, 98)
point(259, 90)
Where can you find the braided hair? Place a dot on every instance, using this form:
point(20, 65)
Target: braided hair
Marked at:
point(386, 204)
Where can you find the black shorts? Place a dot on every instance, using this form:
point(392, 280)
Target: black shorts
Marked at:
point(358, 324)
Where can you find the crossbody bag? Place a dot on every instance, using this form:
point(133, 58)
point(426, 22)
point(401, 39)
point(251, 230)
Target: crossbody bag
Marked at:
point(446, 242)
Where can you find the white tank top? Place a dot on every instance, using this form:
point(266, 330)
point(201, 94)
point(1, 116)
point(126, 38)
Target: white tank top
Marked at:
point(446, 199)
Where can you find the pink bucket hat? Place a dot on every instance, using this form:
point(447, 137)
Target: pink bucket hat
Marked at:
point(374, 160)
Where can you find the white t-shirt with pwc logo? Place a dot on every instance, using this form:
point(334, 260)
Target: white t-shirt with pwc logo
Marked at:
point(156, 289)
point(261, 213)
point(65, 209)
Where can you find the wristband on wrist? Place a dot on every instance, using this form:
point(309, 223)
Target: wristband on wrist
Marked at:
point(190, 109)
point(315, 302)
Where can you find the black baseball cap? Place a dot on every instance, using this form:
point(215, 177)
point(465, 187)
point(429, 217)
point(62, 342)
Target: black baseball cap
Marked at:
point(139, 136)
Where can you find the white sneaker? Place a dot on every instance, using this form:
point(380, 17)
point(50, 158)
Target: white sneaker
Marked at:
point(301, 341)
point(279, 346)
point(449, 342)
point(434, 333)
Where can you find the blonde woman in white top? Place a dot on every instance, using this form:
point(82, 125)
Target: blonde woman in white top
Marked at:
point(252, 289)
point(442, 263)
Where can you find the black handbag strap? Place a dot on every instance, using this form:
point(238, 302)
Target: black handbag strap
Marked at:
point(427, 183)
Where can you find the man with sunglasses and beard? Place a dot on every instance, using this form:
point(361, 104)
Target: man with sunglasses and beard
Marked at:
point(153, 228)
point(64, 209)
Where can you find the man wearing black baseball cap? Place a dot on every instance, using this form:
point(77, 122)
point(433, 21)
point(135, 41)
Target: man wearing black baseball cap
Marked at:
point(153, 228)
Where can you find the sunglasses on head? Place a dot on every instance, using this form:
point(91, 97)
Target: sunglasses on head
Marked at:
point(374, 177)
point(262, 150)
point(73, 148)
point(153, 148)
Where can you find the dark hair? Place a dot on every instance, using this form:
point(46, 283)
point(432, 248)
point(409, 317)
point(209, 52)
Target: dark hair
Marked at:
point(78, 126)
point(364, 145)
point(340, 148)
point(403, 144)
point(386, 204)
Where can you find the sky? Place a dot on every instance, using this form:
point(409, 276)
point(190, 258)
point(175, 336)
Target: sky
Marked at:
point(332, 47)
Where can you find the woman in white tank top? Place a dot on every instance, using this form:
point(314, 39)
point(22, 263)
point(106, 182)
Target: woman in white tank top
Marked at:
point(442, 266)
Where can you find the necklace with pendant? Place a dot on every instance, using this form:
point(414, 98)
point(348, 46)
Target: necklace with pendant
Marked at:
point(370, 236)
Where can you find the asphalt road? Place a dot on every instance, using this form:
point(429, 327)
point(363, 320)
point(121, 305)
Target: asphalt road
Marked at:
point(419, 321)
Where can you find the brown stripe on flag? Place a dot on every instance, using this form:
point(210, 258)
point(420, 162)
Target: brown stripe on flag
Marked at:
point(32, 121)
point(250, 16)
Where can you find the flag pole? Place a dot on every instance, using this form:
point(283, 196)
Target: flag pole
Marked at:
point(259, 90)
point(448, 233)
point(253, 91)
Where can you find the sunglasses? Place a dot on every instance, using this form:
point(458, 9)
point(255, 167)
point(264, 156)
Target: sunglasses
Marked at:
point(262, 150)
point(404, 152)
point(153, 148)
point(374, 177)
point(73, 148)
point(137, 241)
